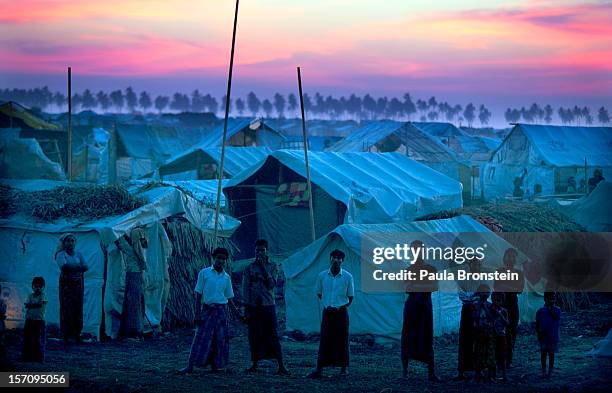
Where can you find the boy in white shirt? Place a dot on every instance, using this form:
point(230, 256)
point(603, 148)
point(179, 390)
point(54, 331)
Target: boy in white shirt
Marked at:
point(335, 288)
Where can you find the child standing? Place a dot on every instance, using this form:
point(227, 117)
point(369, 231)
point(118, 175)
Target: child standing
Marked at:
point(500, 325)
point(484, 343)
point(34, 329)
point(547, 328)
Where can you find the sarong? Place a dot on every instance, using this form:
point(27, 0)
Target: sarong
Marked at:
point(34, 340)
point(211, 341)
point(334, 345)
point(511, 304)
point(133, 311)
point(263, 333)
point(484, 350)
point(71, 289)
point(501, 342)
point(466, 339)
point(417, 329)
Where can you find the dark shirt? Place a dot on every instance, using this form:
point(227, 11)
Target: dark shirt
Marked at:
point(257, 285)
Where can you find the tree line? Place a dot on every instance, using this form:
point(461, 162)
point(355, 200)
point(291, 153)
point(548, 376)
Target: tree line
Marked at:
point(537, 114)
point(317, 105)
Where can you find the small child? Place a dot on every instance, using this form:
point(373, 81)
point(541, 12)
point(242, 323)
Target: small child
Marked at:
point(500, 324)
point(484, 333)
point(2, 326)
point(547, 328)
point(34, 329)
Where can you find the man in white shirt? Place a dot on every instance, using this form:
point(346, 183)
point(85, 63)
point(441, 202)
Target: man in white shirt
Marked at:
point(335, 288)
point(213, 293)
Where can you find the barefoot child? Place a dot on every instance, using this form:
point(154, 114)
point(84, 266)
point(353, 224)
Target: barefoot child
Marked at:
point(547, 328)
point(500, 324)
point(34, 329)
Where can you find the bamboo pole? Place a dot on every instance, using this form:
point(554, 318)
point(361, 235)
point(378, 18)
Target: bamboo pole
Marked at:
point(69, 152)
point(309, 184)
point(227, 106)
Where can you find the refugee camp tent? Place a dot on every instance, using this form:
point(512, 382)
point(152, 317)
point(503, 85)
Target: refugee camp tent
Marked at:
point(27, 250)
point(140, 148)
point(204, 191)
point(603, 349)
point(24, 159)
point(244, 133)
point(411, 140)
point(203, 163)
point(271, 201)
point(550, 155)
point(380, 312)
point(593, 211)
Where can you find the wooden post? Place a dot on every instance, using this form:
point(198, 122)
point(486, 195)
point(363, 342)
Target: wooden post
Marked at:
point(227, 105)
point(309, 184)
point(69, 152)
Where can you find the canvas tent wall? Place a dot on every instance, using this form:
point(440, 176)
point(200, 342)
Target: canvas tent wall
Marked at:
point(204, 191)
point(381, 313)
point(551, 155)
point(271, 201)
point(410, 140)
point(24, 159)
point(202, 163)
point(244, 133)
point(593, 211)
point(28, 247)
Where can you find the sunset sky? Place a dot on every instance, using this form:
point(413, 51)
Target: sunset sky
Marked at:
point(495, 52)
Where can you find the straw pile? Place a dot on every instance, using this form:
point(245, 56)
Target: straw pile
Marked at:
point(192, 251)
point(83, 202)
point(514, 217)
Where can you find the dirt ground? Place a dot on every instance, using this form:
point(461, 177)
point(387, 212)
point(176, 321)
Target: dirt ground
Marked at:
point(149, 366)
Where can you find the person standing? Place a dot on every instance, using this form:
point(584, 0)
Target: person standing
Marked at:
point(71, 287)
point(34, 336)
point(258, 284)
point(213, 293)
point(133, 248)
point(500, 325)
point(417, 329)
point(548, 320)
point(335, 288)
point(511, 289)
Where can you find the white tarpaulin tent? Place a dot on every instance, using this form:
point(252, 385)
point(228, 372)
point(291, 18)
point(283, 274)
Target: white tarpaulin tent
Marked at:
point(202, 162)
point(593, 211)
point(381, 313)
point(357, 187)
point(551, 155)
point(27, 251)
point(603, 349)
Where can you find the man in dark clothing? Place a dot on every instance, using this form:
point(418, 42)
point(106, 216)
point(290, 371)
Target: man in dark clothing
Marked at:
point(258, 284)
point(417, 329)
point(511, 290)
point(594, 181)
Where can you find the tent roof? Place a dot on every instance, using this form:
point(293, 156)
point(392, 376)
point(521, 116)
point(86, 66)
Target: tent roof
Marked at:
point(438, 129)
point(564, 146)
point(387, 182)
point(353, 235)
point(15, 110)
point(203, 190)
point(418, 142)
point(214, 137)
point(236, 159)
point(156, 142)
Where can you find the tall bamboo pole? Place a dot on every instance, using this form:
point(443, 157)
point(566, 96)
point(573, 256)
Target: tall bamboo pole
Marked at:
point(69, 152)
point(227, 106)
point(309, 184)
